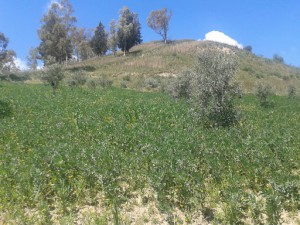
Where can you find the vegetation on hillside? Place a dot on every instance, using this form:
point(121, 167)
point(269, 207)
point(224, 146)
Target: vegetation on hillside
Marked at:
point(162, 62)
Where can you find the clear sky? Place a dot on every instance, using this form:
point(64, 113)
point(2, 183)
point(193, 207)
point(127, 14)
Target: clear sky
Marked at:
point(269, 26)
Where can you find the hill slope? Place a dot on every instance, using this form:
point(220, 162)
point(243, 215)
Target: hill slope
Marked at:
point(154, 59)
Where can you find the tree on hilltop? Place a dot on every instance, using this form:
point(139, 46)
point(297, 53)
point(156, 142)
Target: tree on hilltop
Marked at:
point(99, 40)
point(81, 39)
point(32, 58)
point(7, 57)
point(158, 20)
point(55, 33)
point(113, 37)
point(129, 30)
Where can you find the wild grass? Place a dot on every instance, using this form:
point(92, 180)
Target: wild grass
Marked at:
point(157, 59)
point(63, 156)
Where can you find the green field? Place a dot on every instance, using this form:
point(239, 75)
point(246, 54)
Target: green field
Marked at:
point(64, 156)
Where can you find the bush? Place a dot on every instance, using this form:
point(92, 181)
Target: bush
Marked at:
point(292, 91)
point(210, 88)
point(77, 79)
point(180, 87)
point(123, 84)
point(263, 93)
point(278, 59)
point(91, 83)
point(151, 83)
point(104, 82)
point(126, 77)
point(248, 48)
point(53, 75)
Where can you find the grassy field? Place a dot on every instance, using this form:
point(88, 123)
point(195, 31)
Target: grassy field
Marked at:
point(117, 156)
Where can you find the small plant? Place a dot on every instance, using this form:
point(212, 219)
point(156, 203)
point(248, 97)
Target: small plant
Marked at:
point(79, 78)
point(104, 82)
point(91, 83)
point(123, 84)
point(263, 93)
point(151, 83)
point(126, 77)
point(53, 75)
point(292, 91)
point(180, 87)
point(278, 59)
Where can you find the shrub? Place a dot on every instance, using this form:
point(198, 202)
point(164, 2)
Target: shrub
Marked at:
point(292, 91)
point(91, 83)
point(180, 87)
point(123, 84)
point(53, 75)
point(151, 83)
point(248, 48)
point(263, 93)
point(77, 79)
point(126, 77)
point(278, 59)
point(104, 82)
point(212, 89)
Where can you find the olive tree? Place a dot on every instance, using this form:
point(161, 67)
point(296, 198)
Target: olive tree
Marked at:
point(53, 75)
point(210, 87)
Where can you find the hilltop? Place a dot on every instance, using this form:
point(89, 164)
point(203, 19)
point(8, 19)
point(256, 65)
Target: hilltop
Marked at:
point(155, 59)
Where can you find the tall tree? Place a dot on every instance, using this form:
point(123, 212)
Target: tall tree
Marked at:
point(158, 20)
point(99, 40)
point(129, 32)
point(113, 37)
point(3, 46)
point(7, 57)
point(81, 44)
point(32, 59)
point(55, 33)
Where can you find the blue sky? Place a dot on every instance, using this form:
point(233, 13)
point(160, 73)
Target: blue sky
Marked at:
point(269, 26)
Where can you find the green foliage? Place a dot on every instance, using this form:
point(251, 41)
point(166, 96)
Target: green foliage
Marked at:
point(105, 82)
point(278, 59)
point(58, 156)
point(81, 39)
point(55, 33)
point(292, 91)
point(248, 48)
point(180, 87)
point(99, 41)
point(91, 83)
point(151, 82)
point(53, 75)
point(211, 88)
point(113, 37)
point(7, 63)
point(32, 58)
point(123, 84)
point(3, 51)
point(77, 79)
point(129, 30)
point(263, 94)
